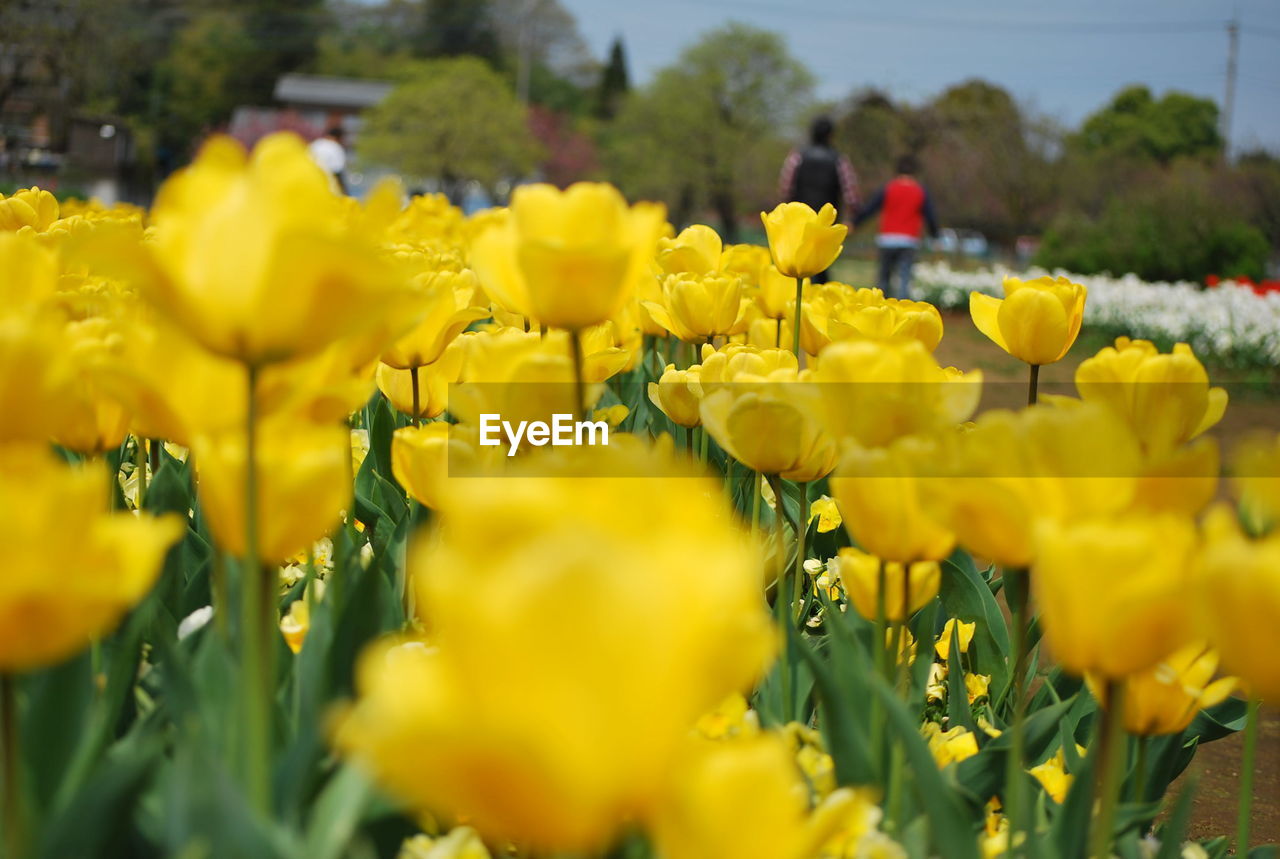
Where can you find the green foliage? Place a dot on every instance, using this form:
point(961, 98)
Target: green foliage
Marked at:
point(455, 120)
point(1171, 232)
point(615, 82)
point(705, 132)
point(455, 28)
point(1136, 124)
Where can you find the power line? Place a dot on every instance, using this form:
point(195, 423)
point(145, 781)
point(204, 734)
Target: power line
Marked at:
point(990, 24)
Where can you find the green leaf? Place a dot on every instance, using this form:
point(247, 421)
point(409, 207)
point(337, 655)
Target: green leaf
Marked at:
point(843, 717)
point(958, 712)
point(965, 595)
point(1174, 832)
point(336, 814)
point(953, 829)
point(100, 813)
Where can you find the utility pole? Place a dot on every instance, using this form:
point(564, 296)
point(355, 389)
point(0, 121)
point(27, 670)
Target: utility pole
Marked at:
point(1229, 102)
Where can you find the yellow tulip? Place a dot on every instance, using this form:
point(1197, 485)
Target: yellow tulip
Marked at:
point(879, 493)
point(433, 382)
point(30, 207)
point(1053, 776)
point(876, 391)
point(1062, 462)
point(97, 420)
point(907, 588)
point(774, 292)
point(1165, 698)
point(567, 258)
point(252, 258)
point(698, 307)
point(873, 316)
point(745, 798)
point(461, 842)
point(696, 250)
point(446, 317)
point(295, 625)
point(1238, 596)
point(771, 426)
point(734, 361)
point(302, 482)
point(71, 568)
point(1184, 480)
point(943, 644)
point(1112, 591)
point(803, 242)
point(825, 510)
point(524, 377)
point(752, 262)
point(1037, 321)
point(175, 388)
point(1165, 398)
point(424, 458)
point(1255, 477)
point(951, 746)
point(675, 396)
point(606, 617)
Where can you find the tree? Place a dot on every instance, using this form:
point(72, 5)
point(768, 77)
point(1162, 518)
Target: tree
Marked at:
point(455, 121)
point(989, 163)
point(615, 82)
point(706, 131)
point(456, 28)
point(1137, 125)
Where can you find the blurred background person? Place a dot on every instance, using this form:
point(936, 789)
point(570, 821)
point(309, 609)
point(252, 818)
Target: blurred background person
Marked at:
point(905, 211)
point(331, 155)
point(817, 175)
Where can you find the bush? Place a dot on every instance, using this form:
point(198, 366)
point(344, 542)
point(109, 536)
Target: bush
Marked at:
point(1173, 233)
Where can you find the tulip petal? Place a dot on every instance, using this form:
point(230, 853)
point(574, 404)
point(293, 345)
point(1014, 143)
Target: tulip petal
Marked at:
point(985, 310)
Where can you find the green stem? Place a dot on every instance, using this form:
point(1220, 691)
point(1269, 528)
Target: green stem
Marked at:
point(879, 717)
point(1111, 758)
point(795, 340)
point(580, 384)
point(257, 593)
point(1245, 809)
point(1033, 386)
point(14, 820)
point(783, 603)
point(140, 464)
point(688, 440)
point(417, 409)
point(702, 446)
point(754, 477)
point(1015, 588)
point(802, 533)
point(1140, 774)
point(777, 337)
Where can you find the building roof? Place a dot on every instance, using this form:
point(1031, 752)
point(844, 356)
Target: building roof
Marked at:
point(330, 92)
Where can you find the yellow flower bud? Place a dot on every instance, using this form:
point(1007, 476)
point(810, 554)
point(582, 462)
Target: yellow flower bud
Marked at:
point(1112, 591)
point(803, 242)
point(1037, 321)
point(72, 569)
point(907, 588)
point(1165, 698)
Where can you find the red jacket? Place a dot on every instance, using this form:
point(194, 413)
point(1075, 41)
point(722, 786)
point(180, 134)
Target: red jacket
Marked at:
point(905, 209)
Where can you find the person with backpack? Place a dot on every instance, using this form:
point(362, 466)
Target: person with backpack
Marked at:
point(906, 211)
point(817, 174)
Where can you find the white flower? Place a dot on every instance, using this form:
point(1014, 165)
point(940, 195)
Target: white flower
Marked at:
point(195, 622)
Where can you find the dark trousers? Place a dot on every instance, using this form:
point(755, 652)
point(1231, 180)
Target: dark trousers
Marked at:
point(896, 262)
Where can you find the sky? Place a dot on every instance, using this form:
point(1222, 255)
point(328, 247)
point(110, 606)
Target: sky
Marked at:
point(1062, 59)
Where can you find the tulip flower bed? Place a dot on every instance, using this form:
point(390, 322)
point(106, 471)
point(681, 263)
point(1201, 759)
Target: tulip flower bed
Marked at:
point(270, 592)
point(1231, 325)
